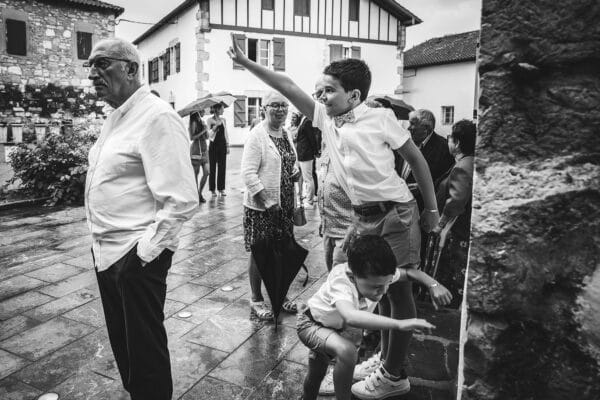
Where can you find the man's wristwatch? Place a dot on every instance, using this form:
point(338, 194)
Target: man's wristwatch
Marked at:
point(434, 284)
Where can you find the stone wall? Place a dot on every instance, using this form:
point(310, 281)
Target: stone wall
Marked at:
point(49, 85)
point(534, 273)
point(51, 56)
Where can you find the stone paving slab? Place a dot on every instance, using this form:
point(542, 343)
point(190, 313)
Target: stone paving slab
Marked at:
point(55, 273)
point(45, 338)
point(23, 302)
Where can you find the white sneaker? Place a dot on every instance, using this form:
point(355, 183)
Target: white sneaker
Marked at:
point(377, 387)
point(366, 368)
point(326, 388)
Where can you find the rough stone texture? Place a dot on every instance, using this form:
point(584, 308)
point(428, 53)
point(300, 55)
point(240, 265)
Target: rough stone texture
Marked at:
point(49, 85)
point(50, 53)
point(534, 276)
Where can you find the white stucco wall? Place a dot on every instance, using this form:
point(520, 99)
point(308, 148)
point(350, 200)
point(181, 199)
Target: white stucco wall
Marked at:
point(442, 85)
point(182, 84)
point(304, 62)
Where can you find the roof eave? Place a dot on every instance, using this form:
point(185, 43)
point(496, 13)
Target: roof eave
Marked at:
point(432, 64)
point(113, 9)
point(165, 20)
point(406, 17)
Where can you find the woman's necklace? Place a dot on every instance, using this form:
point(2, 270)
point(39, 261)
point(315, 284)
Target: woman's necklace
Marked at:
point(275, 133)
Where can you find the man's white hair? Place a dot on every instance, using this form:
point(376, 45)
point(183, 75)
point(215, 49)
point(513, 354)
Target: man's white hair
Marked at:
point(120, 48)
point(270, 95)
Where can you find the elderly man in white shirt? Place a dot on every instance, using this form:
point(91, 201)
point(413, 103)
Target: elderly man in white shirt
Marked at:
point(139, 191)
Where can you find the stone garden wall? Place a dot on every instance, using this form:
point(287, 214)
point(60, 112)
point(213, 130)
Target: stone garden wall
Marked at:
point(534, 274)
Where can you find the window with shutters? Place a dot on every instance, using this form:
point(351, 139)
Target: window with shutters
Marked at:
point(353, 8)
point(16, 37)
point(252, 46)
point(84, 45)
point(302, 8)
point(268, 4)
point(447, 115)
point(239, 111)
point(254, 104)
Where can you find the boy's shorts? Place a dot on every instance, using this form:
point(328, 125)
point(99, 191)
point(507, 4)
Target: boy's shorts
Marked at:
point(314, 335)
point(400, 229)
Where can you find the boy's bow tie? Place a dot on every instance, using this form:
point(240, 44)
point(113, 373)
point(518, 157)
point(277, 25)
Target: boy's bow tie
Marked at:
point(342, 119)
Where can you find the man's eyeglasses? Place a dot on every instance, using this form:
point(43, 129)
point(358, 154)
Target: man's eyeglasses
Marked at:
point(102, 62)
point(278, 106)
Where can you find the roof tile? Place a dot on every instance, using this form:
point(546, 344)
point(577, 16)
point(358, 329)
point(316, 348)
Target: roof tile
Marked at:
point(443, 50)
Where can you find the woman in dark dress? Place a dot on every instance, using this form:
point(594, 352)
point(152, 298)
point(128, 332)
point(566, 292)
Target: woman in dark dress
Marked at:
point(217, 150)
point(269, 171)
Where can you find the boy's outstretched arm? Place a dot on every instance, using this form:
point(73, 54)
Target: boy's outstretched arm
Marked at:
point(367, 320)
point(280, 82)
point(413, 156)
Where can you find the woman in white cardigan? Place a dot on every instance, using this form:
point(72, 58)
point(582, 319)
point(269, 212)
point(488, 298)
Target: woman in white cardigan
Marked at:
point(269, 170)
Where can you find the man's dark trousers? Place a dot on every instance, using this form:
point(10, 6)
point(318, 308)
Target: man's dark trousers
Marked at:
point(133, 298)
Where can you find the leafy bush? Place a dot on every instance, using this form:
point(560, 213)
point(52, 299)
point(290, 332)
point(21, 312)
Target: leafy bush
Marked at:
point(55, 168)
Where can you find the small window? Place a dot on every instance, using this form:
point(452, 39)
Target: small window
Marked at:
point(254, 104)
point(268, 4)
point(447, 115)
point(84, 45)
point(252, 45)
point(347, 53)
point(16, 37)
point(353, 10)
point(263, 54)
point(302, 8)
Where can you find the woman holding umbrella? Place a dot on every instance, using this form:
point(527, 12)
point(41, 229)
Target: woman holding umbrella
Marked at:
point(268, 171)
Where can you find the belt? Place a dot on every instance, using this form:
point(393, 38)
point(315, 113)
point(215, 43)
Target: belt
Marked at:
point(374, 208)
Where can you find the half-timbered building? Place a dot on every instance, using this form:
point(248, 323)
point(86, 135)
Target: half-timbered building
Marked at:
point(185, 52)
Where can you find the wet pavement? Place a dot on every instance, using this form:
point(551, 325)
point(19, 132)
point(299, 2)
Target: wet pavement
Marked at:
point(53, 337)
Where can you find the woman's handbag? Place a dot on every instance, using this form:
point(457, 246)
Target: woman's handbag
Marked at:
point(299, 217)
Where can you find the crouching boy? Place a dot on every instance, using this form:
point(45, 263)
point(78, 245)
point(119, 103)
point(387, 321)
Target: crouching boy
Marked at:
point(344, 305)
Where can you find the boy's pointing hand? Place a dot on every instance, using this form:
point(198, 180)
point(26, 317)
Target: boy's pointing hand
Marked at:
point(235, 53)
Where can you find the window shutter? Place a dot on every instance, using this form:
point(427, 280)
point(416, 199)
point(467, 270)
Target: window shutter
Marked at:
point(16, 37)
point(168, 62)
point(239, 111)
point(335, 52)
point(240, 40)
point(149, 71)
point(178, 57)
point(278, 54)
point(356, 52)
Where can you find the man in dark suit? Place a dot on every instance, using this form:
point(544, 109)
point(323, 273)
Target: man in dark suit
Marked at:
point(433, 146)
point(308, 146)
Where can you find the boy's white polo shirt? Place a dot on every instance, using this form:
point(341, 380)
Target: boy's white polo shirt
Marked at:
point(338, 286)
point(361, 153)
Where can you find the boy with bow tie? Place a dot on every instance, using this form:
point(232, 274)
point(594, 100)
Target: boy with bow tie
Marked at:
point(360, 141)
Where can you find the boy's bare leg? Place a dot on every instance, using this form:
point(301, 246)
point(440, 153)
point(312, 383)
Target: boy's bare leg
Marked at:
point(402, 306)
point(317, 368)
point(346, 355)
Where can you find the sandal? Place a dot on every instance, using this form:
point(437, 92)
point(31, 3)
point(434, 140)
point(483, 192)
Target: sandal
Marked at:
point(261, 311)
point(290, 307)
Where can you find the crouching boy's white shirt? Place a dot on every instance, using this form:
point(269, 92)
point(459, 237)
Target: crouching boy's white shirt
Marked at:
point(339, 286)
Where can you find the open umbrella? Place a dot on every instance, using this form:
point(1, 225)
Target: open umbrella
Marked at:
point(207, 101)
point(278, 261)
point(400, 108)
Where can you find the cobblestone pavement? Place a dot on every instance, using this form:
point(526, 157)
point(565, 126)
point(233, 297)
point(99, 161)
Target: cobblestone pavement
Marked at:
point(53, 337)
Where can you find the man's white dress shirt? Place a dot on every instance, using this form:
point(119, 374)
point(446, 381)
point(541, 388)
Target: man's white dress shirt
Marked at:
point(140, 185)
point(361, 153)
